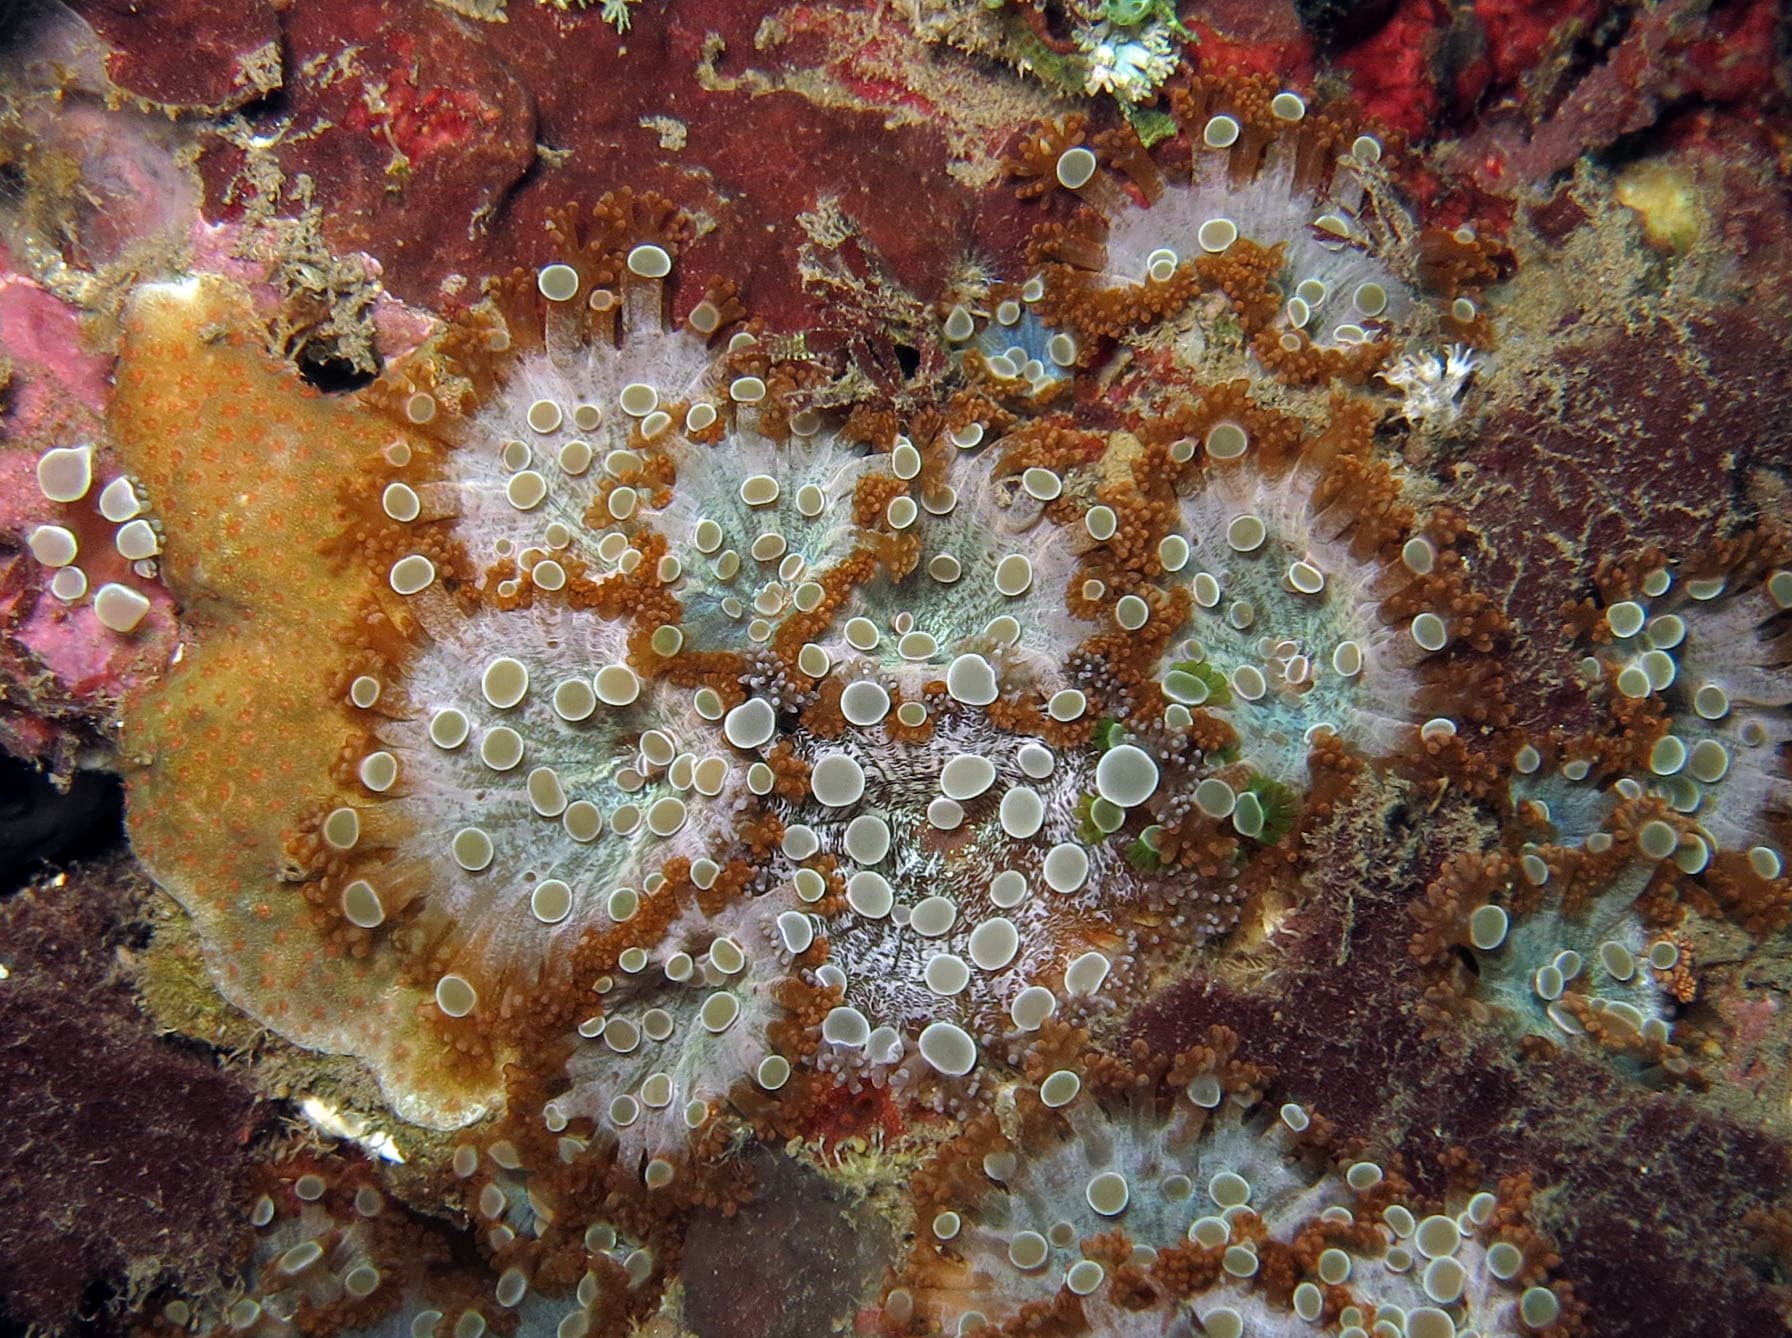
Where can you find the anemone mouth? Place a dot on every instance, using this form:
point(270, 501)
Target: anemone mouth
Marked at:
point(1100, 1172)
point(1287, 627)
point(1703, 655)
point(1567, 943)
point(678, 1028)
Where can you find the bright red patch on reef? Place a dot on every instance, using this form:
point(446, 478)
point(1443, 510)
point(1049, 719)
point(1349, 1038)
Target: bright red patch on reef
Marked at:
point(415, 120)
point(1390, 72)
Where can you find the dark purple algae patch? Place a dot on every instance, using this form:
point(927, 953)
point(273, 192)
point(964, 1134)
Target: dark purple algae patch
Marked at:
point(791, 1263)
point(121, 1151)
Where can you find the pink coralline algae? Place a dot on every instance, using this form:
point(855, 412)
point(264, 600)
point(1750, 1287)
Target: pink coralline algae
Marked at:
point(1021, 668)
point(60, 658)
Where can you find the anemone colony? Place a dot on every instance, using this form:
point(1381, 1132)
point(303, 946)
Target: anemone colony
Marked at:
point(668, 754)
